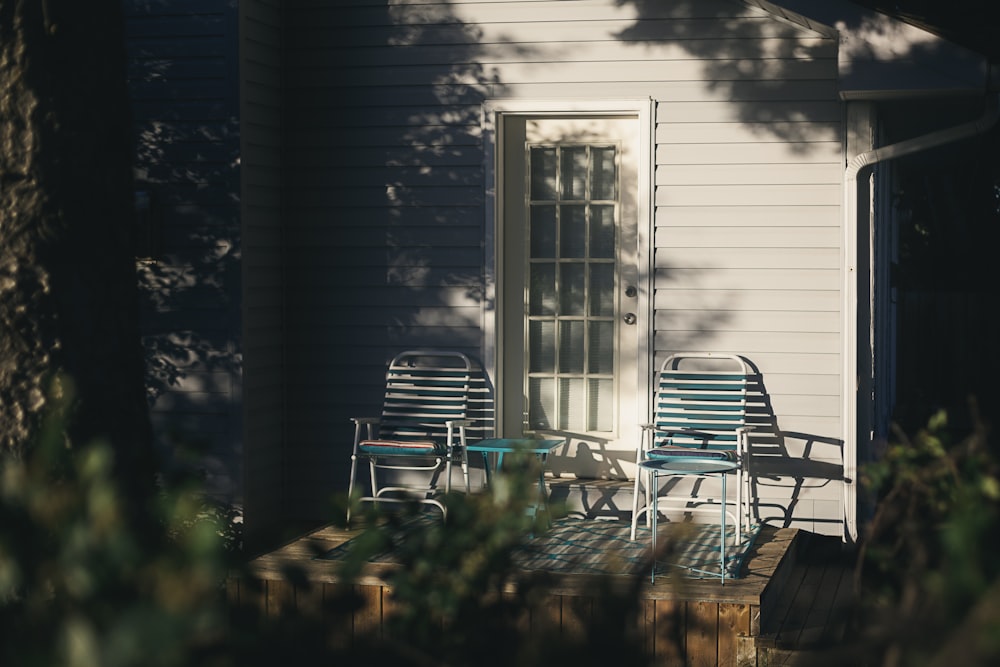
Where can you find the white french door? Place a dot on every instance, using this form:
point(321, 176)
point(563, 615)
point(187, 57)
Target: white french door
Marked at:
point(571, 303)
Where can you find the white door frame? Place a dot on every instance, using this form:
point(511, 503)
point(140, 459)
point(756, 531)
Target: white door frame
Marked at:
point(493, 113)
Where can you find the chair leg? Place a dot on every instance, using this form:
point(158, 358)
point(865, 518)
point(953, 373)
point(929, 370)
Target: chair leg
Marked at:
point(374, 481)
point(635, 502)
point(652, 488)
point(740, 526)
point(465, 472)
point(350, 487)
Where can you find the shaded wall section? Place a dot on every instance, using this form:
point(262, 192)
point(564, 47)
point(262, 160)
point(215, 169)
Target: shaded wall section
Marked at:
point(182, 76)
point(384, 215)
point(261, 112)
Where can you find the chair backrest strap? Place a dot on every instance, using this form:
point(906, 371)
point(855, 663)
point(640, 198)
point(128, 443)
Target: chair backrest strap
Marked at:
point(425, 389)
point(701, 401)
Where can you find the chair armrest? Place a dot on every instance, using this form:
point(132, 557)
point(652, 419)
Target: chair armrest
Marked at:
point(743, 433)
point(364, 427)
point(459, 425)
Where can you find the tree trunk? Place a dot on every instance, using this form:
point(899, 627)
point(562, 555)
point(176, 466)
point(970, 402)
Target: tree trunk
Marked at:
point(68, 300)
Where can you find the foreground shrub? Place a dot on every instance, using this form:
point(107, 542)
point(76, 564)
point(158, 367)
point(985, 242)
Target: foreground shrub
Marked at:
point(82, 584)
point(458, 599)
point(929, 571)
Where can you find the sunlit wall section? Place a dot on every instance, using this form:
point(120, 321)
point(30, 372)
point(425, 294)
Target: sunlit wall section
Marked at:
point(387, 194)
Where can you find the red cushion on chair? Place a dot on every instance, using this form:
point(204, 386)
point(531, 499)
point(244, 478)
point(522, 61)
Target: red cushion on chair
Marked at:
point(676, 452)
point(398, 447)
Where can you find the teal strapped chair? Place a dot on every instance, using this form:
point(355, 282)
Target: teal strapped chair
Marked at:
point(699, 411)
point(421, 432)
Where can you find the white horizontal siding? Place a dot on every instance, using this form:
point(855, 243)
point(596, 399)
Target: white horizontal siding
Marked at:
point(563, 72)
point(782, 257)
point(750, 152)
point(736, 132)
point(748, 343)
point(749, 299)
point(776, 321)
point(750, 174)
point(722, 215)
point(748, 243)
point(606, 25)
point(762, 111)
point(746, 237)
point(583, 50)
point(709, 279)
point(748, 195)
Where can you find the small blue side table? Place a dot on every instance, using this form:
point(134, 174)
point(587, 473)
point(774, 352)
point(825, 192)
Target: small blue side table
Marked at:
point(686, 465)
point(493, 450)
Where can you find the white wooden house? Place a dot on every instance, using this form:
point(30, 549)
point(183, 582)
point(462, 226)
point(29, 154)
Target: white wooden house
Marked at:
point(697, 174)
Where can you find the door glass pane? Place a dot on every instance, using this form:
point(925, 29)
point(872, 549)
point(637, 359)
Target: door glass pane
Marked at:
point(573, 231)
point(542, 289)
point(543, 231)
point(542, 357)
point(602, 230)
point(571, 248)
point(601, 352)
point(543, 173)
point(600, 405)
point(572, 404)
point(603, 177)
point(602, 290)
point(574, 172)
point(571, 359)
point(571, 288)
point(541, 402)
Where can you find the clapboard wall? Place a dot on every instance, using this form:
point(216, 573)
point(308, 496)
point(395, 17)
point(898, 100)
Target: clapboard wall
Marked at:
point(261, 116)
point(384, 216)
point(182, 70)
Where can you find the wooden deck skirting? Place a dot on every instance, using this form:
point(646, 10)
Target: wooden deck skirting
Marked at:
point(718, 625)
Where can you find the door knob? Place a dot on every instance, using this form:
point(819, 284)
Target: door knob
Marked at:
point(629, 318)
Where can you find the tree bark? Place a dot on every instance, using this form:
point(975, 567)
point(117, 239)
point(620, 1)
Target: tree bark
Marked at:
point(68, 298)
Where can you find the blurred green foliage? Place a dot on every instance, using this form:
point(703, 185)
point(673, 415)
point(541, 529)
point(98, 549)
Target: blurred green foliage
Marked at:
point(458, 599)
point(82, 584)
point(930, 555)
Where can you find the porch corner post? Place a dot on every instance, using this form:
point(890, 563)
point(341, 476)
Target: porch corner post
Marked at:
point(850, 380)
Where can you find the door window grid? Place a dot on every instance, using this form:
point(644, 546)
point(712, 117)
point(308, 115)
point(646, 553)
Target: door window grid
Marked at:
point(573, 209)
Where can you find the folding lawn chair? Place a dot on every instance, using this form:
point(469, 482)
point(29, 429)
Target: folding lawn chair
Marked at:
point(699, 411)
point(421, 432)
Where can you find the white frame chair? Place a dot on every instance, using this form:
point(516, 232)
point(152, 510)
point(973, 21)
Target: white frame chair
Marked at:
point(699, 411)
point(422, 427)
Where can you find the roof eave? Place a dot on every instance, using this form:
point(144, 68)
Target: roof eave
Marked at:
point(881, 57)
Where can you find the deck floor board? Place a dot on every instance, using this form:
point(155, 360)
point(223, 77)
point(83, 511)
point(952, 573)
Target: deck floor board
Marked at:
point(814, 606)
point(765, 556)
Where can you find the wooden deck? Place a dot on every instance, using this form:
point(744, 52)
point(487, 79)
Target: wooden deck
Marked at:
point(812, 615)
point(786, 601)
